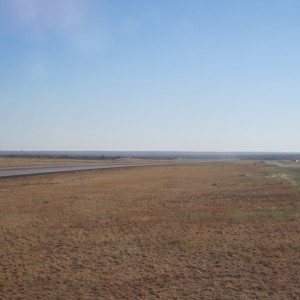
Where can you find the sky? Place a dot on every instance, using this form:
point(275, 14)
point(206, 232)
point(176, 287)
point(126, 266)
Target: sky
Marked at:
point(165, 75)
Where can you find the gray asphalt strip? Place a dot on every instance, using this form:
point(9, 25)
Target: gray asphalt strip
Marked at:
point(7, 172)
point(282, 165)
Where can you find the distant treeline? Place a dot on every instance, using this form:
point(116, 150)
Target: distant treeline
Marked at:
point(152, 155)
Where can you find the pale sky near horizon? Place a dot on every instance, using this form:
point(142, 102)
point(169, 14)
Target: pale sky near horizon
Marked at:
point(182, 75)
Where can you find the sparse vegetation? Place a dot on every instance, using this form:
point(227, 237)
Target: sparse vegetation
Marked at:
point(170, 232)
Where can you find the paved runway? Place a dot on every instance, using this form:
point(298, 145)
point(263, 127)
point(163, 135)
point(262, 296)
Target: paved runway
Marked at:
point(282, 165)
point(6, 172)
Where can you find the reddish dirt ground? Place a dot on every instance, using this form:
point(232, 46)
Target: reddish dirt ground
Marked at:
point(203, 231)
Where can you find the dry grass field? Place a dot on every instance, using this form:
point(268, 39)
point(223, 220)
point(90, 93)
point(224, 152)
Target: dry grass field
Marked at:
point(202, 231)
point(33, 161)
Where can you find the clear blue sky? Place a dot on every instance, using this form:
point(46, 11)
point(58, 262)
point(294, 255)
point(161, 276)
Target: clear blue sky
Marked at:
point(192, 75)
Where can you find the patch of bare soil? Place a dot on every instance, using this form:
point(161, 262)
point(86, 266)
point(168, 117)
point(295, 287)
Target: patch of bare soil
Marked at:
point(205, 231)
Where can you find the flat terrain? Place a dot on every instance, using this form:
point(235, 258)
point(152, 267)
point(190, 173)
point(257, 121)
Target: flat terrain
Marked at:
point(42, 161)
point(198, 231)
point(283, 164)
point(7, 172)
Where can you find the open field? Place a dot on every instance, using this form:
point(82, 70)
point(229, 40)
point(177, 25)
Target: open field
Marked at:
point(35, 161)
point(204, 231)
point(6, 161)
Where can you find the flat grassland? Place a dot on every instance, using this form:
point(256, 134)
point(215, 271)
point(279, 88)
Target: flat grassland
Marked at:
point(202, 231)
point(41, 161)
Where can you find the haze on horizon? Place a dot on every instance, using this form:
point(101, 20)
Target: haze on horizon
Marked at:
point(150, 75)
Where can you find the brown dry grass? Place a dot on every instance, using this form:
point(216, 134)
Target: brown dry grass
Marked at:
point(6, 161)
point(206, 231)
